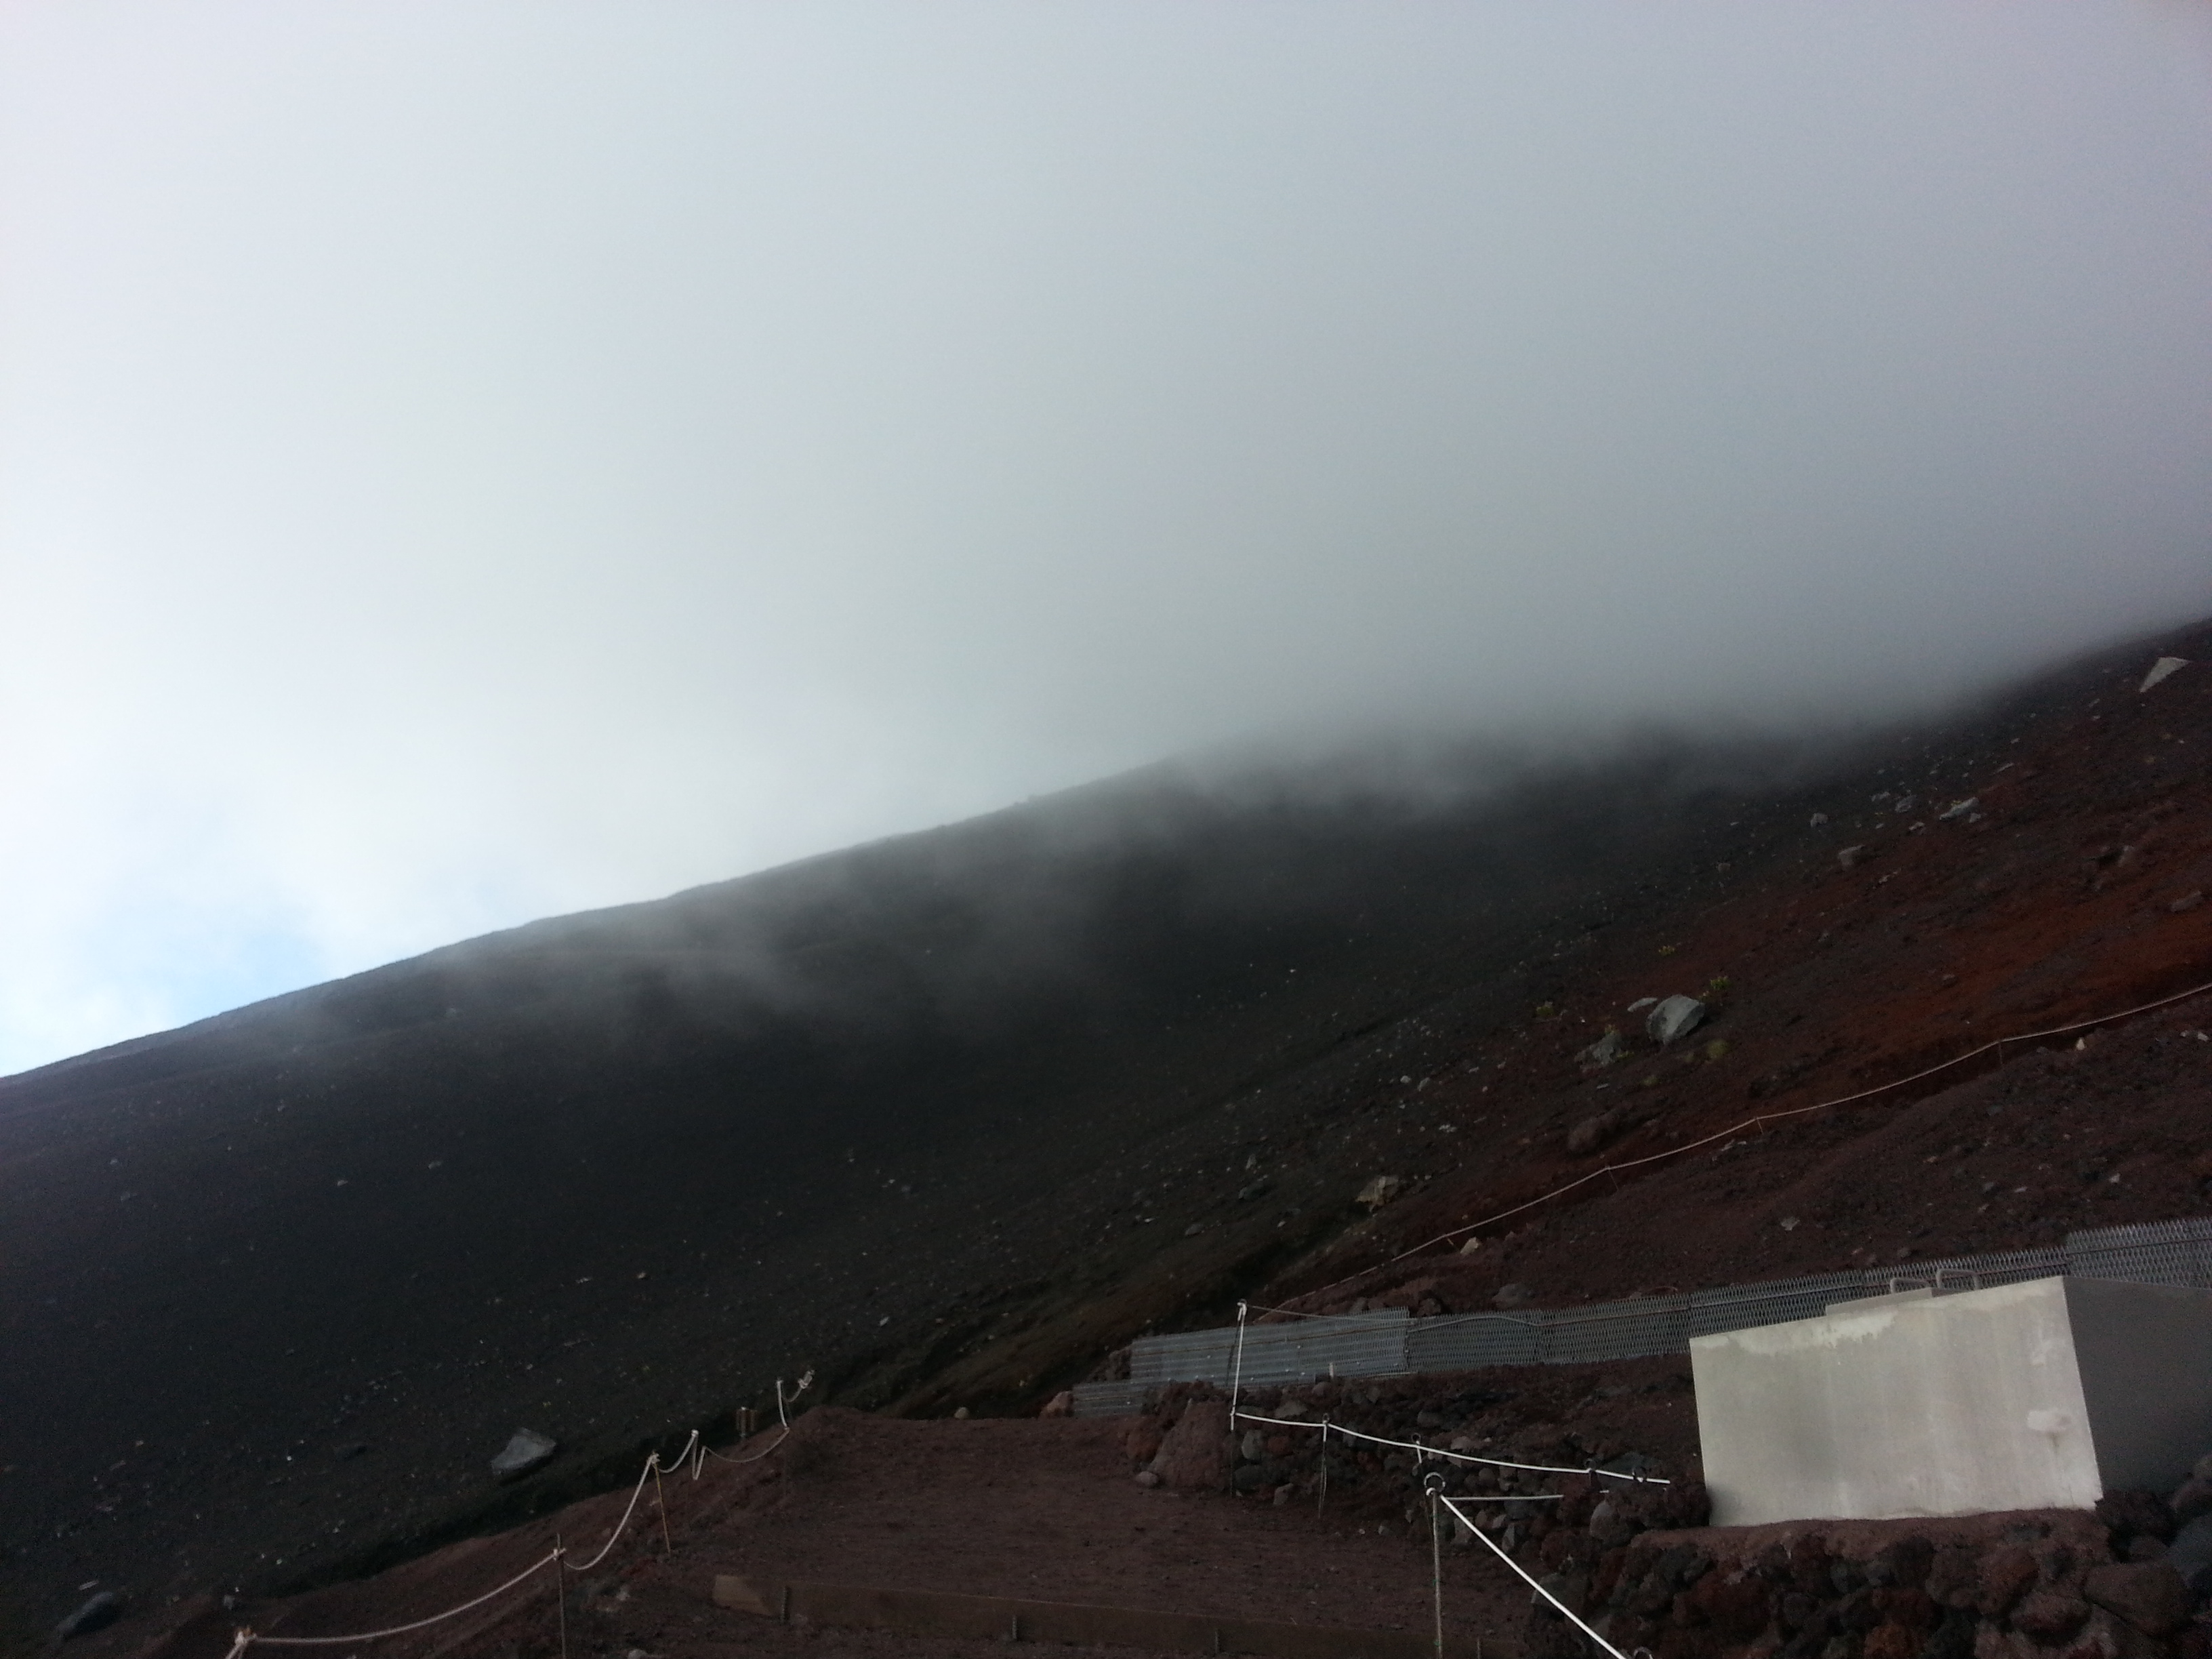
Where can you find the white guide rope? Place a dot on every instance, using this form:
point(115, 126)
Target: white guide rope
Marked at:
point(1461, 1516)
point(247, 1638)
point(1328, 1427)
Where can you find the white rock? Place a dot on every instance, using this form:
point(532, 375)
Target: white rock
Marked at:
point(1958, 809)
point(1380, 1191)
point(528, 1451)
point(2160, 669)
point(1676, 1016)
point(1642, 1003)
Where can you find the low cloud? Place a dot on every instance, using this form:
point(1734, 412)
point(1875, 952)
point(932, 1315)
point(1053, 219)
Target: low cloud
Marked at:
point(462, 463)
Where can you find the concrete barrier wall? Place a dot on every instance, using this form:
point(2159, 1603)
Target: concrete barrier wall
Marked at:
point(2177, 1252)
point(1934, 1406)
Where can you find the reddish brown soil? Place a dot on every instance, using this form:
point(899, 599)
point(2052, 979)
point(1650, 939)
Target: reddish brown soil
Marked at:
point(2078, 894)
point(1043, 1510)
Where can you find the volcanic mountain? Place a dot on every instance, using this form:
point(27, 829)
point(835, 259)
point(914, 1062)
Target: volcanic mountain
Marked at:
point(943, 1120)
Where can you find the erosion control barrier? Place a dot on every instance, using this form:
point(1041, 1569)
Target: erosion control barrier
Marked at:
point(1391, 1344)
point(987, 1618)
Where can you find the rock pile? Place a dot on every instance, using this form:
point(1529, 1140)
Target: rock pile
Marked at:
point(2132, 1580)
point(2040, 1585)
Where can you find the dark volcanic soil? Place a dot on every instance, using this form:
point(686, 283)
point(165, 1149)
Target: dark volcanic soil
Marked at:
point(950, 1118)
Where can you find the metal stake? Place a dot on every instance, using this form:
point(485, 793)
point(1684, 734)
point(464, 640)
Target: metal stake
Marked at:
point(660, 1494)
point(560, 1595)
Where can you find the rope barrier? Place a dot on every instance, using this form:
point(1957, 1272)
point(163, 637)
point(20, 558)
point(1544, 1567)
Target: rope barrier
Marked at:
point(1461, 1516)
point(644, 1474)
point(781, 1435)
point(247, 1638)
point(1772, 1117)
point(1325, 1426)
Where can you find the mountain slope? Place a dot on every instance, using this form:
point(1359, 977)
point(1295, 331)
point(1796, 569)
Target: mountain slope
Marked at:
point(943, 1119)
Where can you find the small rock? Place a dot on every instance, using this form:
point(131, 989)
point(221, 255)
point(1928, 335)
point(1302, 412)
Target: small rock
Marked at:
point(1604, 1051)
point(960, 1414)
point(1060, 1405)
point(2136, 1511)
point(2188, 901)
point(2150, 1595)
point(1591, 1134)
point(1642, 1003)
point(2160, 670)
point(2049, 1617)
point(1677, 1016)
point(1512, 1296)
point(1142, 1442)
point(1292, 1409)
point(1473, 1247)
point(2192, 1499)
point(526, 1451)
point(1819, 818)
point(1958, 809)
point(1193, 1230)
point(1252, 1446)
point(1788, 1224)
point(2002, 1578)
point(98, 1613)
point(1146, 1478)
point(1849, 857)
point(1380, 1191)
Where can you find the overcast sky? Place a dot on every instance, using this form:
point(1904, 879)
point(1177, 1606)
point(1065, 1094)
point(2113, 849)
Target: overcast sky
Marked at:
point(461, 462)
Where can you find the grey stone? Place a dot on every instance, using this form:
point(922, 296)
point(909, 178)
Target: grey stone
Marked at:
point(102, 1610)
point(1591, 1134)
point(2189, 1554)
point(1674, 1017)
point(1512, 1296)
point(1604, 1051)
point(2160, 670)
point(527, 1451)
point(1254, 1446)
point(2192, 1499)
point(1380, 1191)
point(2149, 1594)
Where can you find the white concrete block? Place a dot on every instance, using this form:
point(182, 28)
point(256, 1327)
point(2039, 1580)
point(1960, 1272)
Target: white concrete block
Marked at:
point(2045, 1394)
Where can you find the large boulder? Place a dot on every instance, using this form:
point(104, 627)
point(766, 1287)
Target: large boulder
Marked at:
point(1195, 1454)
point(1674, 1017)
point(527, 1451)
point(98, 1613)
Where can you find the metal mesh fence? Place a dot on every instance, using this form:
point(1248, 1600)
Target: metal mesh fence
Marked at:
point(1389, 1344)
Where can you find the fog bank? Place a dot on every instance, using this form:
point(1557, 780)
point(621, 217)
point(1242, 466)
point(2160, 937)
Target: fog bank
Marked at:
point(461, 463)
